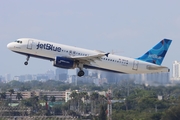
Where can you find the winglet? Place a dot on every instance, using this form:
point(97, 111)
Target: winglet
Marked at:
point(107, 54)
point(157, 53)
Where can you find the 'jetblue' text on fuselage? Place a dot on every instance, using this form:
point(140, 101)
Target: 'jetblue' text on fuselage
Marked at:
point(48, 46)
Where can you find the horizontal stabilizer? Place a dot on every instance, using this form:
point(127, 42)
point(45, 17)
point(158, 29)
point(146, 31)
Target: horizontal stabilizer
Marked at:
point(149, 67)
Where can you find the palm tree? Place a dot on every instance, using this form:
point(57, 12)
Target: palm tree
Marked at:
point(86, 98)
point(11, 91)
point(34, 100)
point(94, 97)
point(102, 114)
point(45, 98)
point(83, 95)
point(65, 108)
point(19, 96)
point(73, 96)
point(52, 99)
point(102, 99)
point(3, 96)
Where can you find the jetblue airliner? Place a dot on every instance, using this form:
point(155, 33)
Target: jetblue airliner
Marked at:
point(70, 57)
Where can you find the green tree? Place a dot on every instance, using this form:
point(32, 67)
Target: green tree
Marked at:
point(52, 99)
point(173, 113)
point(19, 96)
point(65, 108)
point(94, 98)
point(3, 95)
point(45, 98)
point(73, 101)
point(11, 91)
point(102, 115)
point(156, 116)
point(34, 100)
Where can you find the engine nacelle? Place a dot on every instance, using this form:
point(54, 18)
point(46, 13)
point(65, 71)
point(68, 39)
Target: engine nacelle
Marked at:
point(64, 62)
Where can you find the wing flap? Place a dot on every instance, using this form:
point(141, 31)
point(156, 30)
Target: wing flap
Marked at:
point(90, 58)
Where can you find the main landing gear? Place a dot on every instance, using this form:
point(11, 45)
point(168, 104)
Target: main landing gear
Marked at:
point(81, 72)
point(27, 59)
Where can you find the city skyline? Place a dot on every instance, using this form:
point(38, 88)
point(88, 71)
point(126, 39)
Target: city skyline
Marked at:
point(96, 77)
point(174, 73)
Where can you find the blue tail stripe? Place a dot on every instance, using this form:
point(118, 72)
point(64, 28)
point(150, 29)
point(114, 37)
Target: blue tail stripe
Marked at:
point(157, 53)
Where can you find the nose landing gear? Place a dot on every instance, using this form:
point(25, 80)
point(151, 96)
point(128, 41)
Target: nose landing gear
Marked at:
point(27, 59)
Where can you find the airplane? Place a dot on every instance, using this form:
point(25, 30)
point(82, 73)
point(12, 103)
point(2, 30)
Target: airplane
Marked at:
point(70, 57)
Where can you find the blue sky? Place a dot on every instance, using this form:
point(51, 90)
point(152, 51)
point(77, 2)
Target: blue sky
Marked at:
point(128, 27)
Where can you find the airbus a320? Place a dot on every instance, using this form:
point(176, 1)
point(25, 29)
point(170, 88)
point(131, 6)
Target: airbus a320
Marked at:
point(70, 57)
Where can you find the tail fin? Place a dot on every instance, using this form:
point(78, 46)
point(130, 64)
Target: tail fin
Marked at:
point(157, 53)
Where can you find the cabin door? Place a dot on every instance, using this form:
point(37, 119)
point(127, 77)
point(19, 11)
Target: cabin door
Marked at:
point(135, 65)
point(29, 45)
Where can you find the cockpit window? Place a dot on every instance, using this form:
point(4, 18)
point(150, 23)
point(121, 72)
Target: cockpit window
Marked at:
point(18, 41)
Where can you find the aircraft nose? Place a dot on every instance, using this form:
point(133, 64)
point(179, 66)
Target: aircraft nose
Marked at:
point(10, 46)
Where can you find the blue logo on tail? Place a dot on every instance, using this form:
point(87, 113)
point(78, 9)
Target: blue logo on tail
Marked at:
point(157, 53)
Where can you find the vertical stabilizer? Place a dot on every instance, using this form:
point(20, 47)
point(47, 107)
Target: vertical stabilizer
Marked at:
point(157, 53)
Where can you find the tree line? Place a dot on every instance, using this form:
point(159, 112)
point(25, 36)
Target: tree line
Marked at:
point(133, 101)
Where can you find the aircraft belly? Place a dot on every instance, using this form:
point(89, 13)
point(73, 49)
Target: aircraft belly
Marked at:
point(126, 69)
point(111, 66)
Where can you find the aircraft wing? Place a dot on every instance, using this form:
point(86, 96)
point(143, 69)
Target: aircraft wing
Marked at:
point(90, 58)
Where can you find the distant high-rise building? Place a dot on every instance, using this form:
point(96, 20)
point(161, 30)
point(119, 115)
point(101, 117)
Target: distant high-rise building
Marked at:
point(157, 78)
point(111, 77)
point(165, 77)
point(61, 74)
point(176, 70)
point(50, 74)
point(22, 78)
point(8, 77)
point(42, 77)
point(28, 77)
point(17, 78)
point(73, 79)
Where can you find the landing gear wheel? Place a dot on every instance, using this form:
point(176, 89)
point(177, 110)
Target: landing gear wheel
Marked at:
point(26, 63)
point(80, 73)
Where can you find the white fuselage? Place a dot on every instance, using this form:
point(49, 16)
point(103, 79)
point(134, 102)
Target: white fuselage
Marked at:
point(49, 50)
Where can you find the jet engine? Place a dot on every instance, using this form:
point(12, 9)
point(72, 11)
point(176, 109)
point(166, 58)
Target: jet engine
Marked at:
point(64, 62)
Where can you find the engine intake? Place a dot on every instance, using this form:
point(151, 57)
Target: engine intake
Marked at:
point(64, 62)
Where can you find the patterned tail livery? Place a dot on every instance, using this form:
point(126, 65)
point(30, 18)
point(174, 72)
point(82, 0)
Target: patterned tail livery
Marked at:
point(157, 53)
